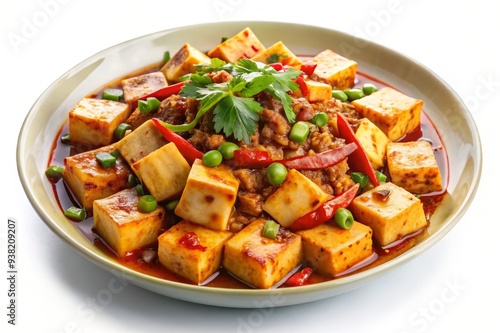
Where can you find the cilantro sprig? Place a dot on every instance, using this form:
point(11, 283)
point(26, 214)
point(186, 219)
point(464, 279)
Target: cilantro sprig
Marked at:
point(236, 112)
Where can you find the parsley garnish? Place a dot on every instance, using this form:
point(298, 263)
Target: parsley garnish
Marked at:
point(236, 112)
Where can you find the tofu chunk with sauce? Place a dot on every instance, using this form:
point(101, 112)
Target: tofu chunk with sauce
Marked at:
point(278, 52)
point(391, 212)
point(260, 261)
point(244, 44)
point(138, 86)
point(374, 142)
point(140, 142)
point(209, 196)
point(413, 166)
point(331, 250)
point(318, 91)
point(183, 62)
point(295, 197)
point(164, 172)
point(192, 251)
point(118, 220)
point(88, 180)
point(93, 121)
point(390, 110)
point(334, 69)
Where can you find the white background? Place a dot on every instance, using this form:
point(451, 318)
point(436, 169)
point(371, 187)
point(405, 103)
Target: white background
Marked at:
point(450, 288)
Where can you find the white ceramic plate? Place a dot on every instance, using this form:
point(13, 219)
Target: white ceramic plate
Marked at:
point(441, 104)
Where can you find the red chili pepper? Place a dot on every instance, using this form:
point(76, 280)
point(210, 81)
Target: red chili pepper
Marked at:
point(302, 85)
point(321, 160)
point(308, 68)
point(191, 241)
point(300, 278)
point(325, 212)
point(278, 66)
point(163, 93)
point(358, 161)
point(187, 150)
point(252, 158)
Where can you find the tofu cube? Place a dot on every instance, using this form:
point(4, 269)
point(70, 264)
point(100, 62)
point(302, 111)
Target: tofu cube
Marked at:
point(392, 111)
point(130, 231)
point(138, 86)
point(260, 261)
point(163, 171)
point(183, 62)
point(244, 44)
point(331, 250)
point(391, 212)
point(295, 197)
point(140, 142)
point(334, 69)
point(318, 91)
point(89, 181)
point(281, 53)
point(93, 121)
point(374, 142)
point(192, 251)
point(209, 196)
point(413, 166)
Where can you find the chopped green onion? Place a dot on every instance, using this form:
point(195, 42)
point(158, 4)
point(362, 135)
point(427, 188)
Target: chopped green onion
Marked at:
point(360, 178)
point(120, 130)
point(270, 229)
point(54, 172)
point(227, 150)
point(132, 180)
point(151, 104)
point(343, 218)
point(75, 213)
point(273, 58)
point(339, 94)
point(106, 160)
point(112, 94)
point(369, 88)
point(276, 173)
point(354, 93)
point(299, 132)
point(115, 153)
point(223, 39)
point(320, 119)
point(65, 139)
point(212, 158)
point(147, 203)
point(171, 205)
point(166, 56)
point(139, 189)
point(380, 176)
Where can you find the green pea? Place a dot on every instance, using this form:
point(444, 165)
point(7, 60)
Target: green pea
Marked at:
point(276, 173)
point(369, 88)
point(339, 94)
point(212, 158)
point(227, 150)
point(299, 132)
point(343, 218)
point(320, 119)
point(354, 93)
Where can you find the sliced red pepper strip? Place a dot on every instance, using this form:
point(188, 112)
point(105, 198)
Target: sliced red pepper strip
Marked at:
point(308, 68)
point(300, 278)
point(187, 150)
point(325, 212)
point(358, 161)
point(278, 66)
point(320, 161)
point(163, 93)
point(247, 158)
point(302, 85)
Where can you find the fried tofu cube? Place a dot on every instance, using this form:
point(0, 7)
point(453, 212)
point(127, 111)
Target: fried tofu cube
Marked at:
point(296, 196)
point(209, 196)
point(318, 91)
point(244, 44)
point(183, 62)
point(278, 52)
point(138, 86)
point(140, 142)
point(332, 250)
point(130, 231)
point(260, 261)
point(93, 121)
point(192, 251)
point(391, 212)
point(89, 181)
point(413, 166)
point(374, 142)
point(392, 111)
point(163, 171)
point(334, 69)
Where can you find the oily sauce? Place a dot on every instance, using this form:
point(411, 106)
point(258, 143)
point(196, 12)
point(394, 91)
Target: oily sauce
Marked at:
point(145, 261)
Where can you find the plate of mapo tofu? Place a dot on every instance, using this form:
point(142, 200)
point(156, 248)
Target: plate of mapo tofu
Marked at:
point(250, 164)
